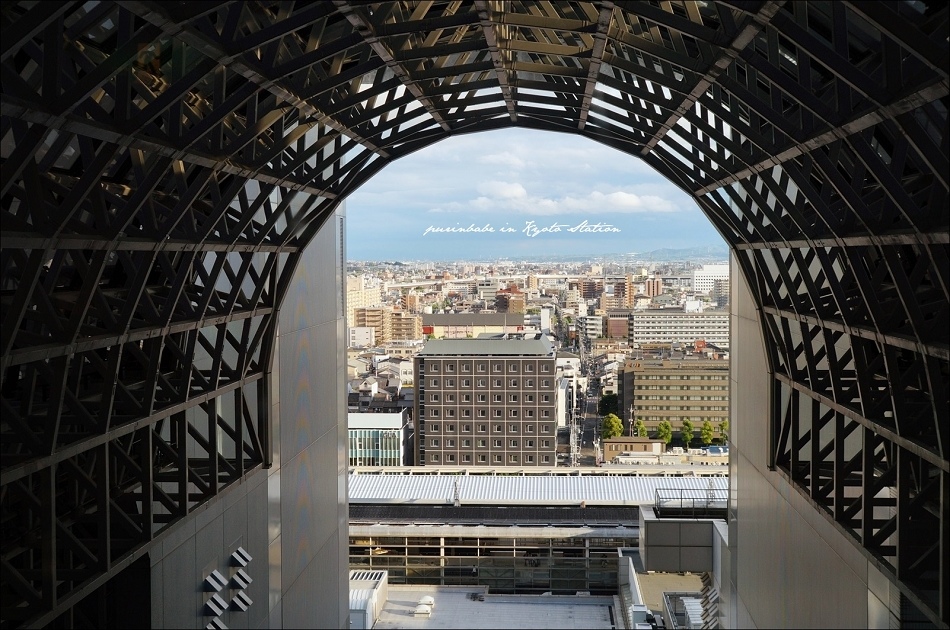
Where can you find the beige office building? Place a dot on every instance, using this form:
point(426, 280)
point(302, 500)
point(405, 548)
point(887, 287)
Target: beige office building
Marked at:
point(692, 388)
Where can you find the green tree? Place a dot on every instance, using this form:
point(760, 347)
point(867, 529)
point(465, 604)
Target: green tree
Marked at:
point(686, 431)
point(611, 427)
point(724, 431)
point(706, 432)
point(664, 431)
point(608, 404)
point(640, 429)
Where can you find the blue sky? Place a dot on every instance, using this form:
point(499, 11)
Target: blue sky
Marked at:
point(508, 178)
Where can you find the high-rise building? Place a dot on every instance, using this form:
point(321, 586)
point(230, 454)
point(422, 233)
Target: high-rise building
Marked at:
point(404, 326)
point(486, 402)
point(378, 318)
point(704, 278)
point(361, 293)
point(653, 287)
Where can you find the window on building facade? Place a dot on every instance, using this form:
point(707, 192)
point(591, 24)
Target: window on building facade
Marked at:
point(482, 398)
point(480, 367)
point(513, 458)
point(482, 428)
point(434, 442)
point(513, 382)
point(529, 459)
point(512, 367)
point(529, 413)
point(449, 368)
point(433, 382)
point(513, 413)
point(498, 413)
point(497, 443)
point(545, 428)
point(450, 382)
point(450, 457)
point(466, 458)
point(497, 458)
point(434, 457)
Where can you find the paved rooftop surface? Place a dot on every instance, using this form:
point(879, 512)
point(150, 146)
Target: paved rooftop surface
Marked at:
point(455, 609)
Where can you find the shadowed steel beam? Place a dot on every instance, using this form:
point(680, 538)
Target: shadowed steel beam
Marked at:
point(11, 474)
point(597, 58)
point(913, 41)
point(878, 240)
point(726, 59)
point(152, 13)
point(382, 50)
point(45, 352)
point(932, 92)
point(865, 332)
point(490, 28)
point(102, 131)
point(891, 436)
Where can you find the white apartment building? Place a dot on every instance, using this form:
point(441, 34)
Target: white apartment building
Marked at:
point(704, 279)
point(668, 326)
point(362, 336)
point(361, 292)
point(590, 326)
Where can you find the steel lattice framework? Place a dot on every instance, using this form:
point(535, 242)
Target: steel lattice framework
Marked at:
point(165, 163)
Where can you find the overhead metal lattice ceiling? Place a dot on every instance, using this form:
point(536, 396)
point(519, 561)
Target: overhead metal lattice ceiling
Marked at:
point(165, 163)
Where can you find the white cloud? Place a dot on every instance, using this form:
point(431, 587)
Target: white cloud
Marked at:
point(506, 159)
point(513, 197)
point(502, 190)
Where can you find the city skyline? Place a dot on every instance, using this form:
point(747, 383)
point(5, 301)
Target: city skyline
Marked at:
point(518, 194)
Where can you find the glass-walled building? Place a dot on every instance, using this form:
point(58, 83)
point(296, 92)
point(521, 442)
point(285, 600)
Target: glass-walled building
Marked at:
point(377, 439)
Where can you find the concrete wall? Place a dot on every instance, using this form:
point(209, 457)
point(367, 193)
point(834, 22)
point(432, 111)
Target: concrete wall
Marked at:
point(675, 545)
point(788, 565)
point(291, 518)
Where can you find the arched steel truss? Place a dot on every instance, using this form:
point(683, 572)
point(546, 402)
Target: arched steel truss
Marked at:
point(164, 164)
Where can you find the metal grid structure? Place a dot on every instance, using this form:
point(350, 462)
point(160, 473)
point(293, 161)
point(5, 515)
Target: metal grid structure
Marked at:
point(165, 163)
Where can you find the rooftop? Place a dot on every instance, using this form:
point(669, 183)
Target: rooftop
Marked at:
point(480, 347)
point(455, 608)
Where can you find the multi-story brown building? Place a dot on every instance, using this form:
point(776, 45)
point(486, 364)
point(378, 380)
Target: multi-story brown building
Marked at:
point(694, 389)
point(486, 402)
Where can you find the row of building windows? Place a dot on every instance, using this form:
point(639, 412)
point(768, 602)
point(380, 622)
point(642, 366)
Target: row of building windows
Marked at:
point(467, 382)
point(451, 397)
point(482, 458)
point(482, 367)
point(721, 387)
point(695, 408)
point(481, 413)
point(483, 443)
point(671, 397)
point(435, 427)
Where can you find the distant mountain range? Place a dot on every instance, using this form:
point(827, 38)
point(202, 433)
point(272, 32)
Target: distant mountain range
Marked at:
point(707, 253)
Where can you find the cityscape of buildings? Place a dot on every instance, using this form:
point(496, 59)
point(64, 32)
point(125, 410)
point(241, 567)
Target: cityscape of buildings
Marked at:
point(483, 364)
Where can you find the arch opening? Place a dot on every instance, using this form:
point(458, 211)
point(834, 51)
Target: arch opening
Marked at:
point(165, 165)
